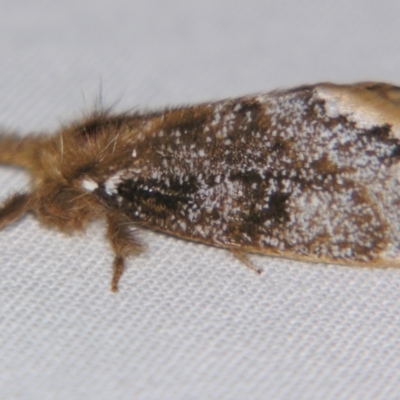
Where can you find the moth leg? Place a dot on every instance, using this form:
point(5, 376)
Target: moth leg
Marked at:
point(122, 238)
point(14, 208)
point(245, 260)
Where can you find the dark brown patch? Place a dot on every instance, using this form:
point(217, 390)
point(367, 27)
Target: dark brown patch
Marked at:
point(380, 132)
point(396, 151)
point(151, 200)
point(276, 212)
point(277, 206)
point(280, 145)
point(248, 178)
point(252, 106)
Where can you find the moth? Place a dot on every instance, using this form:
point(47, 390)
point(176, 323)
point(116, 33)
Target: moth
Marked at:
point(310, 173)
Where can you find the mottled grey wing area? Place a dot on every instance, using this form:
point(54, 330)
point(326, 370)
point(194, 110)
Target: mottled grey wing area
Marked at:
point(283, 173)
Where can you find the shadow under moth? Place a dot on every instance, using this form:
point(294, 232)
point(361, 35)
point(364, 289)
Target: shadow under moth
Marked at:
point(310, 173)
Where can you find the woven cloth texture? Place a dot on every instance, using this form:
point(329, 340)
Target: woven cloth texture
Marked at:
point(190, 321)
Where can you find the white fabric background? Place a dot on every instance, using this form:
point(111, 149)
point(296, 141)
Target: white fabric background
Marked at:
point(189, 322)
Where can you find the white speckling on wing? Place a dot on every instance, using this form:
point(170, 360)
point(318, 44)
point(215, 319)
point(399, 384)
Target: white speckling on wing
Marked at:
point(112, 183)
